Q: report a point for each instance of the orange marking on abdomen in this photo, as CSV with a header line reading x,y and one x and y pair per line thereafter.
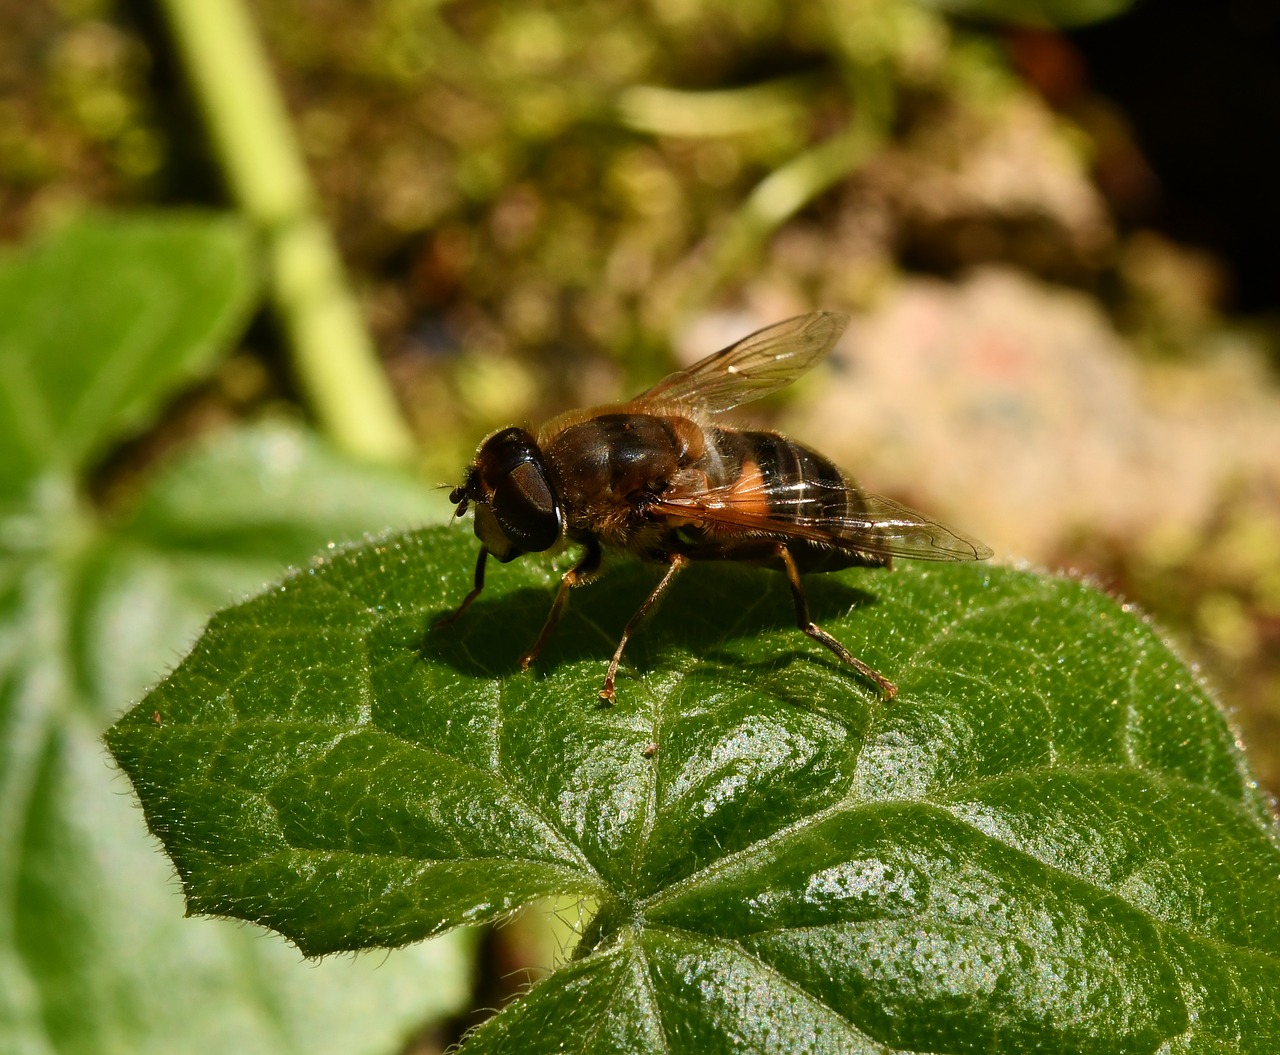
x,y
748,492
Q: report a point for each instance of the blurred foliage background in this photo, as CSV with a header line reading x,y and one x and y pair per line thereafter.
x,y
1056,231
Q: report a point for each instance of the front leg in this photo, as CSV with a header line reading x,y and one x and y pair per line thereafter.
x,y
581,572
675,565
475,590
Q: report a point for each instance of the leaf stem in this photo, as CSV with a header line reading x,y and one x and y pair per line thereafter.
x,y
611,916
333,355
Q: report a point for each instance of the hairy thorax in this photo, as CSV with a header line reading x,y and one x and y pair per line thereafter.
x,y
608,465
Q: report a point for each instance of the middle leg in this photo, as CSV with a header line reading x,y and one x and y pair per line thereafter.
x,y
581,572
675,565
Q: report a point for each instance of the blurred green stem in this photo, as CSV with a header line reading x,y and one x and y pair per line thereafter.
x,y
783,193
709,114
332,352
776,198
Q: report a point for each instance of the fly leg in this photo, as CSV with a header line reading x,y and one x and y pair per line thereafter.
x,y
475,590
676,563
575,576
888,688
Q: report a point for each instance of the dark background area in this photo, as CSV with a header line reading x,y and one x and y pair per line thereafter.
x,y
1200,86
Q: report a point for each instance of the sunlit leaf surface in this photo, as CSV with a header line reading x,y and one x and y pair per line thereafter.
x,y
1047,842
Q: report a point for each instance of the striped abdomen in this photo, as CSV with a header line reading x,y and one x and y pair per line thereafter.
x,y
781,481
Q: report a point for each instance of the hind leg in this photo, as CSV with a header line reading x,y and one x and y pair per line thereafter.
x,y
886,687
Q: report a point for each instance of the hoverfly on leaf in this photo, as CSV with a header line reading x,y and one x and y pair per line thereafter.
x,y
657,477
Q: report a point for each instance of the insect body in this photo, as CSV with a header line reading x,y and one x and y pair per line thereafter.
x,y
658,478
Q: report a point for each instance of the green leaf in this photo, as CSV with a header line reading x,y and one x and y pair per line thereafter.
x,y
1049,841
95,956
220,523
101,322
273,493
97,328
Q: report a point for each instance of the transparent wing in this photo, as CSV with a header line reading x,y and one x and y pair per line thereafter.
x,y
842,516
766,361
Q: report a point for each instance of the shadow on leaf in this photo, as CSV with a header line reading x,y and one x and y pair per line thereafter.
x,y
710,610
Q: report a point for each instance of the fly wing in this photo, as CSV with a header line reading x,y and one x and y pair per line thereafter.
x,y
839,515
766,361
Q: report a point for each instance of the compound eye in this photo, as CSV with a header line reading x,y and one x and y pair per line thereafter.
x,y
518,490
525,507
